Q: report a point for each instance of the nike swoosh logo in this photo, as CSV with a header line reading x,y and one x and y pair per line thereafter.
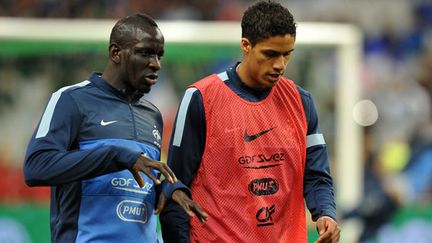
x,y
104,123
250,138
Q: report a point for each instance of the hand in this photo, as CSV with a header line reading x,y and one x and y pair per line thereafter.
x,y
189,206
161,203
328,230
145,165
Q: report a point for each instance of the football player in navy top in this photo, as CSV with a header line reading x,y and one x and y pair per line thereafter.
x,y
97,146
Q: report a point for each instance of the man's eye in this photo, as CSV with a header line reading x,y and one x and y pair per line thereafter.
x,y
271,54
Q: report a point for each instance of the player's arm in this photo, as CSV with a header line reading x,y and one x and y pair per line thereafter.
x,y
180,194
53,157
318,183
184,158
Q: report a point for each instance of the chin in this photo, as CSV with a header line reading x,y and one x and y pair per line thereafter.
x,y
271,84
144,89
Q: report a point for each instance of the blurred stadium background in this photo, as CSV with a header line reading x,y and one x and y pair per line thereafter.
x,y
367,63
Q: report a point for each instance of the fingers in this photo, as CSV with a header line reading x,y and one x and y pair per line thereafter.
x,y
336,234
151,176
201,214
145,164
321,227
161,203
190,207
325,237
137,177
328,229
188,211
166,171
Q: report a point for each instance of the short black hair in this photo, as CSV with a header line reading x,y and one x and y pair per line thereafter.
x,y
266,19
123,32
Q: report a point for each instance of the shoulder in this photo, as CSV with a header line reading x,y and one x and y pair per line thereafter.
x,y
69,94
147,104
306,98
73,89
304,94
191,98
210,80
151,111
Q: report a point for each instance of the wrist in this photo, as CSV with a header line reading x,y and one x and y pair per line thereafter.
x,y
168,189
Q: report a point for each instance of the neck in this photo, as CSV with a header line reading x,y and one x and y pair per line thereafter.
x,y
244,78
113,79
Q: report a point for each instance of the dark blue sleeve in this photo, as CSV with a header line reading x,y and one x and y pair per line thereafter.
x,y
184,158
318,183
168,188
53,157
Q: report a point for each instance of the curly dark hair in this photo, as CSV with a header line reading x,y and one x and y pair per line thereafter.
x,y
123,32
265,19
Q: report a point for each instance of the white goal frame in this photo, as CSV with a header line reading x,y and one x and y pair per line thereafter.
x,y
345,38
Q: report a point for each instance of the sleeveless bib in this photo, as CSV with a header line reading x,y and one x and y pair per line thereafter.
x,y
250,180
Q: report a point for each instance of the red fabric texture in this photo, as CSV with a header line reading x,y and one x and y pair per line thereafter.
x,y
250,181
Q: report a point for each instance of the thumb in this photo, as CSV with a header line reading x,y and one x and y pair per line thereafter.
x,y
161,203
137,178
321,227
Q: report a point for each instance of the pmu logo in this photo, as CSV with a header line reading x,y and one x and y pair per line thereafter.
x,y
264,216
132,211
261,161
263,186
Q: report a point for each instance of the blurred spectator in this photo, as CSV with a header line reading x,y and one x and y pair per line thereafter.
x,y
377,205
418,172
390,181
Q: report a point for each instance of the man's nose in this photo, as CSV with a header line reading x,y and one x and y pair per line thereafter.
x,y
280,63
154,62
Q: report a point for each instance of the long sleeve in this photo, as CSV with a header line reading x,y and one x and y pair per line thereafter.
x,y
184,158
53,157
318,183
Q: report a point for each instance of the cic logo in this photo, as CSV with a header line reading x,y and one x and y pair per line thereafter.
x,y
264,216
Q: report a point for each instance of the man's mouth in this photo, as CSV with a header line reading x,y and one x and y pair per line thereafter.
x,y
274,77
151,78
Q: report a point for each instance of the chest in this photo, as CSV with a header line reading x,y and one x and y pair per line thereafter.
x,y
120,120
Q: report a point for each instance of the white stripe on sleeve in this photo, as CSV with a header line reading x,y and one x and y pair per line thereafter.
x,y
314,139
181,117
49,111
223,76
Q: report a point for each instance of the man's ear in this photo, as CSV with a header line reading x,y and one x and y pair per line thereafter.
x,y
114,52
245,45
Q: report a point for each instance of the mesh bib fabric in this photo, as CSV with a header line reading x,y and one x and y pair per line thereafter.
x,y
250,181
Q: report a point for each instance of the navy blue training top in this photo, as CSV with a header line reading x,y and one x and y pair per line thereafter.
x,y
87,139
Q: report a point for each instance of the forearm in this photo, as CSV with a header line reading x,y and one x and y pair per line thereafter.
x,y
320,200
318,184
175,223
184,159
49,168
